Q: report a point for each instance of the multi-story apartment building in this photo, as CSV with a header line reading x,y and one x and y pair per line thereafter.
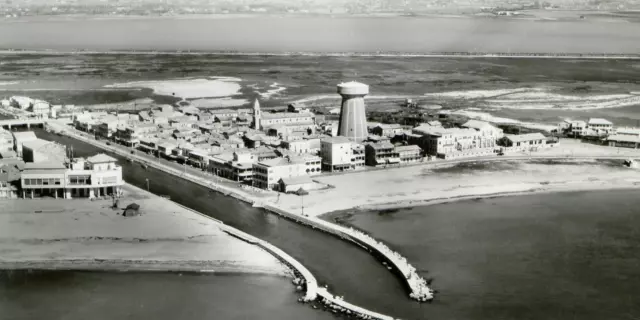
x,y
95,176
340,154
599,126
130,134
456,143
268,173
107,128
409,154
237,166
382,153
488,135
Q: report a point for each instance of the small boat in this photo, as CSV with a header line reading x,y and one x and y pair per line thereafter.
x,y
129,159
166,197
144,165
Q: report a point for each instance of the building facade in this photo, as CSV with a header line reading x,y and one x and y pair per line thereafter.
x,y
383,153
268,173
95,176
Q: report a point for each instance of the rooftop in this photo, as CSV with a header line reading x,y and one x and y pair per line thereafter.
x,y
24,136
624,138
284,115
44,166
381,145
278,162
526,137
101,158
337,139
408,148
297,180
352,84
600,121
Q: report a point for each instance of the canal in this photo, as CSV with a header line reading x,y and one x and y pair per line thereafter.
x,y
348,270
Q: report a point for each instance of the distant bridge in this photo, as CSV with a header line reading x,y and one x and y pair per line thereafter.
x,y
11,123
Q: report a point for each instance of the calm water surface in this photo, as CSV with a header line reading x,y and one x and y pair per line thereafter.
x,y
96,295
322,34
555,256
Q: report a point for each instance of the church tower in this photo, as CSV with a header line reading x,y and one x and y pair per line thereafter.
x,y
256,114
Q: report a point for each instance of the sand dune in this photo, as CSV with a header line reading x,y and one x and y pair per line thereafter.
x,y
540,98
188,88
490,118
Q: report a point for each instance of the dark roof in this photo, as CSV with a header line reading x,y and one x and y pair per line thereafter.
x,y
9,173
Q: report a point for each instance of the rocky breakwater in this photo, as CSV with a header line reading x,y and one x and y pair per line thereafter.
x,y
418,287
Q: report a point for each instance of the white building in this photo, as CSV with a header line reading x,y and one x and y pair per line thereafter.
x,y
39,150
340,154
21,137
456,143
525,142
85,178
577,128
600,126
488,134
268,173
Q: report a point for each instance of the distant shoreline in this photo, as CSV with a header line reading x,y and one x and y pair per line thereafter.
x,y
521,55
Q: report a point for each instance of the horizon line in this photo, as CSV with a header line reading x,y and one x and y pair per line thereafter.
x,y
333,54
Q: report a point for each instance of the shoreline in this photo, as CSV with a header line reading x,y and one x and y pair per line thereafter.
x,y
410,275
399,205
130,265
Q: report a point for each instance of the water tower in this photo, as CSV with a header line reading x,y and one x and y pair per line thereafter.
x,y
353,119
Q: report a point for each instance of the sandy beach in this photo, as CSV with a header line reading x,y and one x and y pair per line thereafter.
x,y
444,181
84,234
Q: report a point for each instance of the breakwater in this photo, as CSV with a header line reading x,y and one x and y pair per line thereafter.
x,y
418,288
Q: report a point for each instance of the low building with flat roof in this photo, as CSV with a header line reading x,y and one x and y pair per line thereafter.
x,y
623,141
525,142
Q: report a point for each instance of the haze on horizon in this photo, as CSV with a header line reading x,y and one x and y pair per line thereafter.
x,y
17,8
